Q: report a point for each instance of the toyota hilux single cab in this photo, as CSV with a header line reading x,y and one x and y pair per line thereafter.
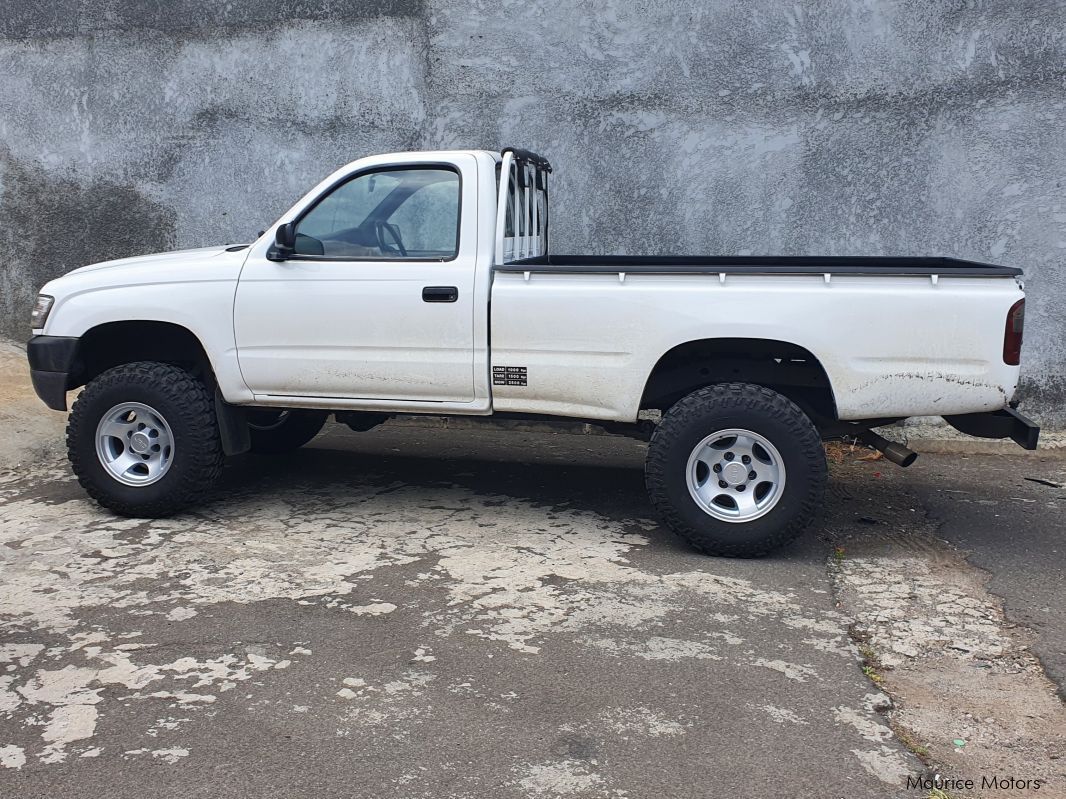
x,y
422,283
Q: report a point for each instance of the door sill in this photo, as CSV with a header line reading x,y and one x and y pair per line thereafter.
x,y
476,407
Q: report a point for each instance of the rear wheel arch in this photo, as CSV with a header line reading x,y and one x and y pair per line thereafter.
x,y
787,368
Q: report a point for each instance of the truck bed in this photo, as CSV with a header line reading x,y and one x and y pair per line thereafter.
x,y
760,265
896,337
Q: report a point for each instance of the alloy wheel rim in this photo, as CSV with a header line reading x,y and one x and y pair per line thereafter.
x,y
735,475
134,444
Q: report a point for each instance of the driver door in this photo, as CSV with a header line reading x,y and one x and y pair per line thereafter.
x,y
377,301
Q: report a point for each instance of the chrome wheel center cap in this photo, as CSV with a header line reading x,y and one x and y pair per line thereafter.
x,y
140,443
735,473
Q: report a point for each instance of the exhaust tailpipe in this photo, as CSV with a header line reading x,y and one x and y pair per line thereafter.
x,y
897,453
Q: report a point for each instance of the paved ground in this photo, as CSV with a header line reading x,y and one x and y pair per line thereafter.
x,y
1007,515
417,612
934,627
426,613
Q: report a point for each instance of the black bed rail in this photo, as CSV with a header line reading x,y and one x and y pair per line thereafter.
x,y
758,265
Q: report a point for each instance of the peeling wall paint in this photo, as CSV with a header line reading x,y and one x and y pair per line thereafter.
x,y
914,127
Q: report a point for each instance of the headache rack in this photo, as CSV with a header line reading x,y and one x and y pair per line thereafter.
x,y
522,206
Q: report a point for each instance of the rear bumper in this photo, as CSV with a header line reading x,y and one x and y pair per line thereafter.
x,y
53,361
1005,423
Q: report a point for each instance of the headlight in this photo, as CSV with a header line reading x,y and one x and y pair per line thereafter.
x,y
40,311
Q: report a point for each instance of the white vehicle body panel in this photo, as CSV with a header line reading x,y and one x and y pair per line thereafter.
x,y
356,335
476,240
349,329
891,346
190,288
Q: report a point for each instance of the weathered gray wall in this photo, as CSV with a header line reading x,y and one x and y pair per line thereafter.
x,y
744,126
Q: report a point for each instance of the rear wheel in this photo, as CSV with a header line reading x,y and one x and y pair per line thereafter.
x,y
736,469
277,430
143,440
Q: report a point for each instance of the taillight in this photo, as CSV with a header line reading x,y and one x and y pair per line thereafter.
x,y
1012,335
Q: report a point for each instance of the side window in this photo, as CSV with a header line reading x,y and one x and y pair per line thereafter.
x,y
428,220
392,214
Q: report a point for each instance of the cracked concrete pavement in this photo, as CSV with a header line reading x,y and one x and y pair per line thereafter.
x,y
416,612
947,639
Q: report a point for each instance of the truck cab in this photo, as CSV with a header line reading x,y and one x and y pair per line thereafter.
x,y
377,294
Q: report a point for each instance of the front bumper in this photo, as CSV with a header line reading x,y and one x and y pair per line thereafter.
x,y
53,365
1005,423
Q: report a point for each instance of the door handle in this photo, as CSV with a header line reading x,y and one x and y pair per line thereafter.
x,y
440,294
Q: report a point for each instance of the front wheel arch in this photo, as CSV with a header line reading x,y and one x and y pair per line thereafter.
x,y
111,344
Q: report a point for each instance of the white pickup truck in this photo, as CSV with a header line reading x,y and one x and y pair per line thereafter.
x,y
421,283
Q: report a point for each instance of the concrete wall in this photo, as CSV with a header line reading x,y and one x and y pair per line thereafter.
x,y
744,126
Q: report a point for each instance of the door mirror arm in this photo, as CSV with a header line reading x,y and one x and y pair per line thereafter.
x,y
284,243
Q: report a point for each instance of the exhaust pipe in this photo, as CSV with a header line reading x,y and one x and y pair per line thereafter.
x,y
897,453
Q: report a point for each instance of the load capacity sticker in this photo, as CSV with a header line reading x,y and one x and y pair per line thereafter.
x,y
509,376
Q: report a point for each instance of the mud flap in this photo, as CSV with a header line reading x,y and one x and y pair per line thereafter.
x,y
232,426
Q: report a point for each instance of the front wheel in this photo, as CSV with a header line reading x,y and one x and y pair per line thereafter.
x,y
143,440
736,470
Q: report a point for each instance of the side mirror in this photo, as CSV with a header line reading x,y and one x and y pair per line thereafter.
x,y
284,242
